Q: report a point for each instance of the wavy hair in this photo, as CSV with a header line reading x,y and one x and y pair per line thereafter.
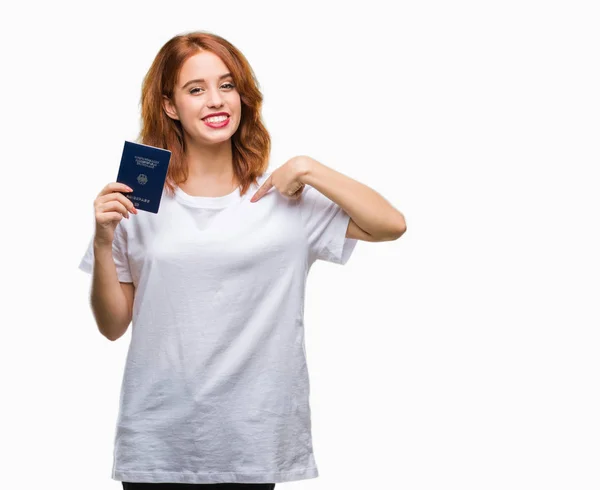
x,y
250,144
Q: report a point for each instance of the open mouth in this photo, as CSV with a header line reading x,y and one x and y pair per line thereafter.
x,y
217,122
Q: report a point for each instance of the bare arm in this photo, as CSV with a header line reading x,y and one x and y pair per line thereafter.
x,y
369,210
111,300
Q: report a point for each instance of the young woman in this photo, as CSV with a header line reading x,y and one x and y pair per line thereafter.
x,y
215,391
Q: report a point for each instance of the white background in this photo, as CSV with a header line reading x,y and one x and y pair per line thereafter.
x,y
462,356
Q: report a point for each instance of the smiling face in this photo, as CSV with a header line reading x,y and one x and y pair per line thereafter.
x,y
203,88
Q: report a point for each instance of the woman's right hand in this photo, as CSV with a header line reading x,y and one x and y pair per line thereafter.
x,y
109,207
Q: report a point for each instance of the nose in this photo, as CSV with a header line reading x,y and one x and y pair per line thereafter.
x,y
215,99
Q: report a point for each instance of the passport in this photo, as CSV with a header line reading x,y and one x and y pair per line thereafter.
x,y
144,169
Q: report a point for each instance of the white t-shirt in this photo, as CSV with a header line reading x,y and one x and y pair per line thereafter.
x,y
216,387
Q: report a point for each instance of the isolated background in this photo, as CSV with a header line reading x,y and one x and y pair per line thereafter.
x,y
462,356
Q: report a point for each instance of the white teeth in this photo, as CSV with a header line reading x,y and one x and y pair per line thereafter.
x,y
216,119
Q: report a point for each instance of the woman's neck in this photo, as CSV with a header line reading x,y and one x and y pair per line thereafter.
x,y
210,171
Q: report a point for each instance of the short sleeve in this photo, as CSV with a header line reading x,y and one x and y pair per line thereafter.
x,y
119,249
325,225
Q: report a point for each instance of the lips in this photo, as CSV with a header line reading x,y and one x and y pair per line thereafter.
x,y
220,124
215,115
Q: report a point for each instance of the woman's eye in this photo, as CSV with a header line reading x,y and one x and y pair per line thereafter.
x,y
228,85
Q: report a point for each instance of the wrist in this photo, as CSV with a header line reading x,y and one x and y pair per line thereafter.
x,y
306,168
100,245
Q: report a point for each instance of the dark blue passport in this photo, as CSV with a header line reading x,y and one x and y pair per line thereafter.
x,y
144,169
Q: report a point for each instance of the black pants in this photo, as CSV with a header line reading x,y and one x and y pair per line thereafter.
x,y
197,486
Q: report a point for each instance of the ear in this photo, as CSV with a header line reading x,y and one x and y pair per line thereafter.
x,y
169,108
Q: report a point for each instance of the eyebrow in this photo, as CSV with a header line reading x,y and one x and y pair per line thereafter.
x,y
200,80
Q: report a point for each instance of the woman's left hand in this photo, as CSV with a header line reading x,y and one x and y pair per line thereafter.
x,y
287,179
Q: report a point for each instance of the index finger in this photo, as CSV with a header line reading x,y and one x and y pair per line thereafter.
x,y
115,187
262,190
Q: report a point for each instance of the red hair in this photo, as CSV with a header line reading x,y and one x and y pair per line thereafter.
x,y
250,144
